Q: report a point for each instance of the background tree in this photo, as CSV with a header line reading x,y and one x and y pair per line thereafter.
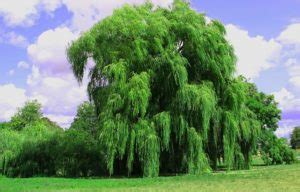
x,y
164,91
295,138
272,149
30,113
86,119
276,151
265,107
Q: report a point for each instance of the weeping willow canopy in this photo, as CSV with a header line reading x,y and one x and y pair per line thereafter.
x,y
164,90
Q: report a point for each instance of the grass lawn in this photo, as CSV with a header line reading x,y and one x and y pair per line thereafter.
x,y
260,178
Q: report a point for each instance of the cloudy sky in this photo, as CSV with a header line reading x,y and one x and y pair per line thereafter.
x,y
34,35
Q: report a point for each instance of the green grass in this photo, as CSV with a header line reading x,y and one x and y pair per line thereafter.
x,y
260,178
257,160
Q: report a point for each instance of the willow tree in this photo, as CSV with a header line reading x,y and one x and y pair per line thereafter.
x,y
164,90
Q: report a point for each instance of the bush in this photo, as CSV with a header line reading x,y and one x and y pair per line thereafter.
x,y
45,151
10,143
277,151
80,155
37,154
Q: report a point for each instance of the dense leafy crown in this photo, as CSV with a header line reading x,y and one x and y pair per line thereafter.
x,y
164,90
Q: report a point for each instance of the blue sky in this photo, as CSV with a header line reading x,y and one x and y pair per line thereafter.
x,y
35,33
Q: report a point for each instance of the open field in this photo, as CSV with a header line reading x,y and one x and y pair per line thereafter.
x,y
260,178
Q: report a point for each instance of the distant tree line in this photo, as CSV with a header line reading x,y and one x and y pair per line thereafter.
x,y
163,100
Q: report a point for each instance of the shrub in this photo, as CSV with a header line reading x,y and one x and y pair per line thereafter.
x,y
277,151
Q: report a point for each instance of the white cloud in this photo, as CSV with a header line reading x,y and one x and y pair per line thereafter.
x,y
11,98
88,12
286,127
62,120
290,100
295,81
294,70
50,5
286,99
255,54
48,52
283,95
17,40
13,38
23,65
24,13
35,74
290,62
85,13
60,95
51,81
290,35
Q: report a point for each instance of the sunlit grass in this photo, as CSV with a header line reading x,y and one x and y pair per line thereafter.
x,y
260,178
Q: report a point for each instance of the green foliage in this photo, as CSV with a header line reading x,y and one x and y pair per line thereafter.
x,y
163,126
10,143
164,91
30,113
138,95
197,160
265,107
42,148
4,125
148,147
197,103
295,138
86,119
273,149
13,134
34,154
229,137
80,155
277,151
